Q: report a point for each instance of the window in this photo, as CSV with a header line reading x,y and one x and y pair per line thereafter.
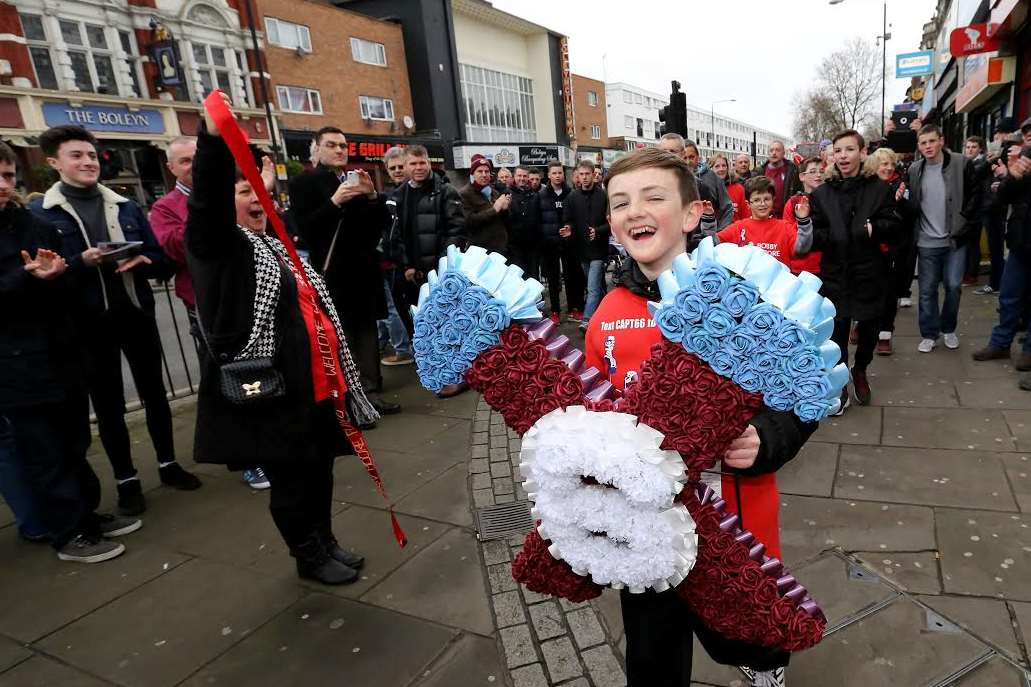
x,y
596,132
376,108
638,98
628,121
132,58
499,106
657,127
287,34
628,97
368,52
592,99
88,52
39,51
298,99
213,66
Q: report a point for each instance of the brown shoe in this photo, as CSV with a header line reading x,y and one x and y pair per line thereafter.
x,y
992,353
884,347
1023,362
861,387
453,390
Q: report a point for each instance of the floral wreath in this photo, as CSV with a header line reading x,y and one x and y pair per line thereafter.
x,y
615,479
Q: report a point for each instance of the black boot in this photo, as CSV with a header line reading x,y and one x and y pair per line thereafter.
x,y
130,498
348,558
315,563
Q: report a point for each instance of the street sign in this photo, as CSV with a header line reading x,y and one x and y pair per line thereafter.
x,y
914,64
971,40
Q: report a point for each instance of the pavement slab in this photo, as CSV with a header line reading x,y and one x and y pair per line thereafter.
x,y
859,425
471,661
958,428
1022,613
995,673
415,433
841,595
965,479
324,640
1004,395
987,619
913,572
810,525
198,610
706,671
1019,422
445,498
812,471
985,553
44,672
459,596
909,392
12,653
1018,469
402,474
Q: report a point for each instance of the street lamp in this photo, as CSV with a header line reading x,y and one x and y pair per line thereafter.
x,y
883,40
713,112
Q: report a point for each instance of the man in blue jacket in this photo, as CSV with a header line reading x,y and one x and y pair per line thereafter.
x,y
115,306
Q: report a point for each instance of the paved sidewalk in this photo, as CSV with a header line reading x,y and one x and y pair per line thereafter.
x,y
907,519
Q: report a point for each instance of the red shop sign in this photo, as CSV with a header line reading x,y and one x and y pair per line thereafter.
x,y
971,40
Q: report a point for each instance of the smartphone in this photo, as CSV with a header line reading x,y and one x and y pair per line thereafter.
x,y
352,179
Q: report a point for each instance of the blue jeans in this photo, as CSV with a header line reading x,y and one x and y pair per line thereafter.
x,y
1012,288
393,327
595,271
938,266
14,487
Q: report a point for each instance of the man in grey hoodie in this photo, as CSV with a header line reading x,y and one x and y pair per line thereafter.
x,y
939,184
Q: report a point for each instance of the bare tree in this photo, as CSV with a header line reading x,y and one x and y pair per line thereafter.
x,y
851,78
815,117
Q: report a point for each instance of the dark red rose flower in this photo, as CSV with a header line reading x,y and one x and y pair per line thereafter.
x,y
530,357
539,572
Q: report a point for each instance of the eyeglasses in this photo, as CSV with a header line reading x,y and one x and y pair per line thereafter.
x,y
761,201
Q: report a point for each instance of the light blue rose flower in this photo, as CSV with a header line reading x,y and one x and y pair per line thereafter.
x,y
464,322
450,335
812,410
692,307
718,321
765,363
452,285
748,379
711,282
724,363
783,402
432,316
493,316
762,321
671,323
790,338
473,300
741,342
700,343
779,384
812,387
805,362
741,296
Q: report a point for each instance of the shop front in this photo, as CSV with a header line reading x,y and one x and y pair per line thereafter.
x,y
986,91
512,154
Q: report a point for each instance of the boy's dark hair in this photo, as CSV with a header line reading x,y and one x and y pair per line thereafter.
x,y
326,130
930,129
537,171
850,132
7,154
759,185
815,160
585,164
554,163
657,158
978,140
50,140
525,168
416,151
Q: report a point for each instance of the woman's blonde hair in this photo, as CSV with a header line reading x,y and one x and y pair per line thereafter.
x,y
874,160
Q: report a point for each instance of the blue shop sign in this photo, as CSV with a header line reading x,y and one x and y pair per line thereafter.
x,y
914,64
104,118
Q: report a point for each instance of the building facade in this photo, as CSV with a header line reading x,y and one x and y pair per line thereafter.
x,y
717,134
134,72
590,112
632,114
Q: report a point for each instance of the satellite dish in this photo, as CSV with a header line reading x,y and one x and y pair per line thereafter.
x,y
408,121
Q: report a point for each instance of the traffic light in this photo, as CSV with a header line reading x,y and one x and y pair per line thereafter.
x,y
674,115
110,163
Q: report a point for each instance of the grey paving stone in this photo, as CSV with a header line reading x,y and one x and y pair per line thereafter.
x,y
859,425
810,525
931,477
479,451
43,672
958,428
811,473
530,676
841,597
1019,422
994,396
423,433
471,661
504,498
499,455
481,425
12,653
159,623
480,438
909,392
604,667
479,465
518,645
508,609
975,547
503,485
481,481
483,498
497,442
445,498
500,577
913,572
994,673
450,567
322,637
578,682
610,612
496,551
500,469
1022,612
585,627
532,597
1018,469
561,659
546,619
568,605
987,619
879,650
705,671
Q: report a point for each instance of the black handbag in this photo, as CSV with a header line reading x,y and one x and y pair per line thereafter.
x,y
246,382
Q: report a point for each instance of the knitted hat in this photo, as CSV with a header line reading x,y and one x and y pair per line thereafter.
x,y
479,160
1006,125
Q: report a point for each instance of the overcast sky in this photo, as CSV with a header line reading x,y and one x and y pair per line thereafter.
x,y
758,51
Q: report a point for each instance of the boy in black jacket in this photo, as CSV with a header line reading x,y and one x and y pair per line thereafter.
x,y
587,227
557,258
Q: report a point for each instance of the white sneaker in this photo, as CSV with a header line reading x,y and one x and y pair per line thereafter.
x,y
905,302
926,345
951,341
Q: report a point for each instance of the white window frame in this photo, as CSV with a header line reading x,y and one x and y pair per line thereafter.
x,y
628,122
592,98
365,107
91,53
284,97
378,48
134,61
44,44
595,132
499,105
276,28
628,97
212,70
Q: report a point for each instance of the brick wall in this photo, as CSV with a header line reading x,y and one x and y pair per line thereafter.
x,y
331,70
587,116
16,53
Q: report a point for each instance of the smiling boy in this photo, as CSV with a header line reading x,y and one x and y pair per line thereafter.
x,y
653,207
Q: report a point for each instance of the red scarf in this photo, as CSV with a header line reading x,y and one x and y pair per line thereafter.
x,y
326,375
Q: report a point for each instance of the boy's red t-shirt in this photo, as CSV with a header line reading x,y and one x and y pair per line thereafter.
x,y
810,262
737,196
619,338
775,236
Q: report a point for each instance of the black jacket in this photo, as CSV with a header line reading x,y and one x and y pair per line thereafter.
x,y
484,226
524,219
1017,194
221,261
714,190
781,433
792,183
40,359
353,274
427,224
853,268
584,209
551,213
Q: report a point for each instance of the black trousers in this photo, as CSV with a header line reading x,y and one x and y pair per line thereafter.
x,y
659,642
406,294
557,264
301,498
50,442
527,258
868,330
901,262
133,332
363,341
576,278
973,243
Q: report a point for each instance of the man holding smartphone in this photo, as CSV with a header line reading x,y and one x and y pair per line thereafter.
x,y
341,218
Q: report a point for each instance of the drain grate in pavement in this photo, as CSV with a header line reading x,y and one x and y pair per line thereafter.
x,y
503,520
